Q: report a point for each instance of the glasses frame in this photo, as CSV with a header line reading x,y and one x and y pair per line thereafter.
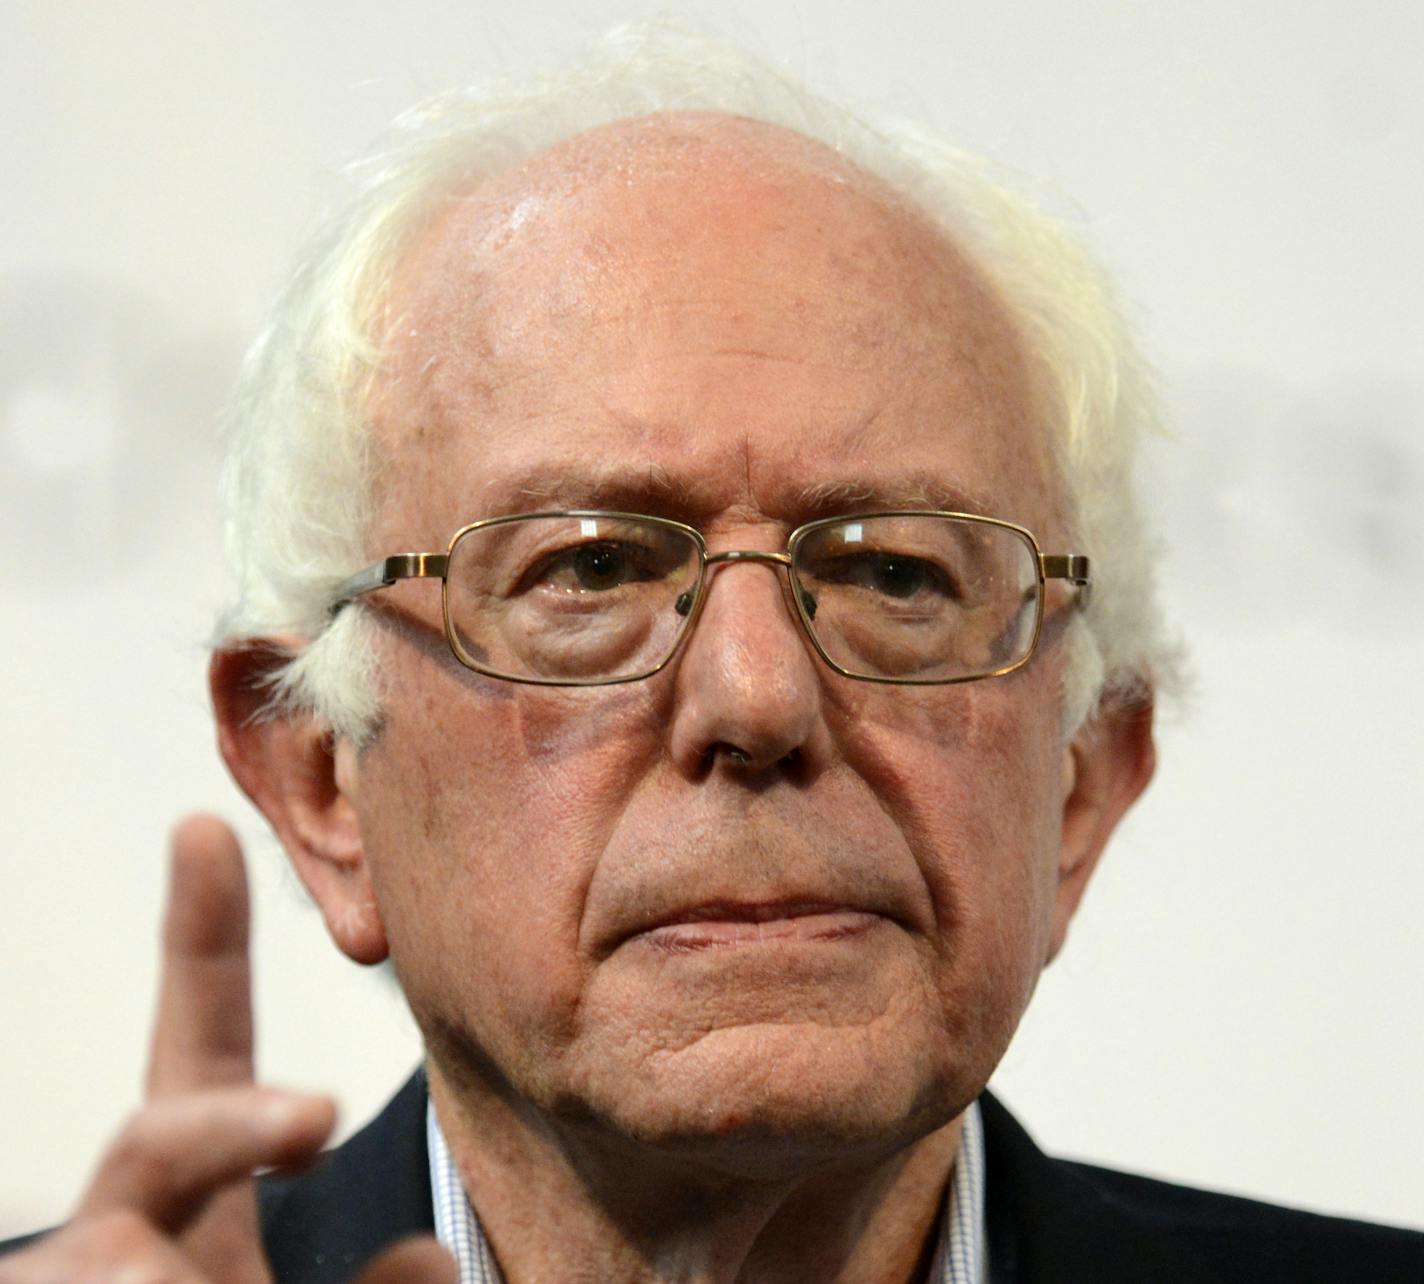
x,y
1073,567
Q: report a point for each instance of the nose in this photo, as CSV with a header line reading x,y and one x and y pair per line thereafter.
x,y
748,689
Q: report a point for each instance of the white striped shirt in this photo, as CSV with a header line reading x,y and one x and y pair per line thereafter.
x,y
961,1256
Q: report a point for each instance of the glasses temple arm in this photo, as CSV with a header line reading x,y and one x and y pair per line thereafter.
x,y
1068,566
382,574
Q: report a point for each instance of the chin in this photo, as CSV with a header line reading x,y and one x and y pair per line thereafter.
x,y
765,1101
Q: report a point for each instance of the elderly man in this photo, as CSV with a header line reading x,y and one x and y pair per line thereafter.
x,y
720,735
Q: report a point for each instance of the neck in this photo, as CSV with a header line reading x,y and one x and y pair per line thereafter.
x,y
567,1201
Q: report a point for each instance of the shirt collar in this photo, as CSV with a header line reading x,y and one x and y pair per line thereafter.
x,y
960,1258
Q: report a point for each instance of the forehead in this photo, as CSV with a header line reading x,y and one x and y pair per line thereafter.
x,y
718,312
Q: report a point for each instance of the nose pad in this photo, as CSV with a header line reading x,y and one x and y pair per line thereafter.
x,y
779,563
718,565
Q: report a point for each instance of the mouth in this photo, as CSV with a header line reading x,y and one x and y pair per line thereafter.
x,y
728,926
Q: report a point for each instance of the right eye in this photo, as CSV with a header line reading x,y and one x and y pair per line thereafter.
x,y
604,564
600,567
597,567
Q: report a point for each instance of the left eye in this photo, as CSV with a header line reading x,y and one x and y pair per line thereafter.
x,y
897,576
891,575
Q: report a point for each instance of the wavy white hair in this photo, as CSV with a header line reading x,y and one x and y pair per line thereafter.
x,y
297,482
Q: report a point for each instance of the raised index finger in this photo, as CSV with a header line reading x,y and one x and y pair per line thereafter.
x,y
202,1034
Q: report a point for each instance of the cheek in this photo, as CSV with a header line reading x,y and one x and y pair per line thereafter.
x,y
484,813
972,780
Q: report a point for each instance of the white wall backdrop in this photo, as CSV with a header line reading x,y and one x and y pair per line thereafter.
x,y
1239,1005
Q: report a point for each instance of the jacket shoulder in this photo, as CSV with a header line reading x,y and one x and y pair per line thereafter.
x,y
1054,1221
1248,1239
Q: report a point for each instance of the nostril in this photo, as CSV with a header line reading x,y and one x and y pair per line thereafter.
x,y
739,757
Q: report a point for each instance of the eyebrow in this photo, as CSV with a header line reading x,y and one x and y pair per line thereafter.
x,y
649,488
652,489
914,490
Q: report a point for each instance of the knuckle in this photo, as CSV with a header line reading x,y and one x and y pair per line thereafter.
x,y
140,1147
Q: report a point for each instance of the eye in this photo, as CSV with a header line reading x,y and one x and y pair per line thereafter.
x,y
603,566
891,575
600,566
897,576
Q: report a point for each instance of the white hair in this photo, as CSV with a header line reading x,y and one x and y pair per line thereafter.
x,y
298,478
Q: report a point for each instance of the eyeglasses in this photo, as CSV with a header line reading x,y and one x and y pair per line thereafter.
x,y
584,598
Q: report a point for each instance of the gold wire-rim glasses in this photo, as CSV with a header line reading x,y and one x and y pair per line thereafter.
x,y
1073,567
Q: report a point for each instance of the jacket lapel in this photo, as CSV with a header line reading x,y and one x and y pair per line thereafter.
x,y
1048,1224
322,1225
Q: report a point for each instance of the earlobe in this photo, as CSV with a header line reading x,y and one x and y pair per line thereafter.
x,y
1106,767
305,785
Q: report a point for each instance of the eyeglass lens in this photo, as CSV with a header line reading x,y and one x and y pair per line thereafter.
x,y
572,599
918,598
595,598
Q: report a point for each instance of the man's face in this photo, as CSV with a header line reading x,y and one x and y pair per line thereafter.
x,y
587,898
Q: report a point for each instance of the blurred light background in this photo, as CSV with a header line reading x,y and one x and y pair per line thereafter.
x,y
1238,1006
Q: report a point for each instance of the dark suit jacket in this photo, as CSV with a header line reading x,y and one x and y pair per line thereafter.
x,y
1050,1222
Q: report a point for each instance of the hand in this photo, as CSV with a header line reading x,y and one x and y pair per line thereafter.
x,y
173,1197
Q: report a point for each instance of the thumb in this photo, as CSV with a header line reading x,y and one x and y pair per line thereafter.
x,y
420,1260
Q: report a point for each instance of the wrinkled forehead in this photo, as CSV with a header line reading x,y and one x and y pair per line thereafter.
x,y
683,233
684,201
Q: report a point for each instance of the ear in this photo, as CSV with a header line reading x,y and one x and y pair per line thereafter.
x,y
287,763
1105,767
